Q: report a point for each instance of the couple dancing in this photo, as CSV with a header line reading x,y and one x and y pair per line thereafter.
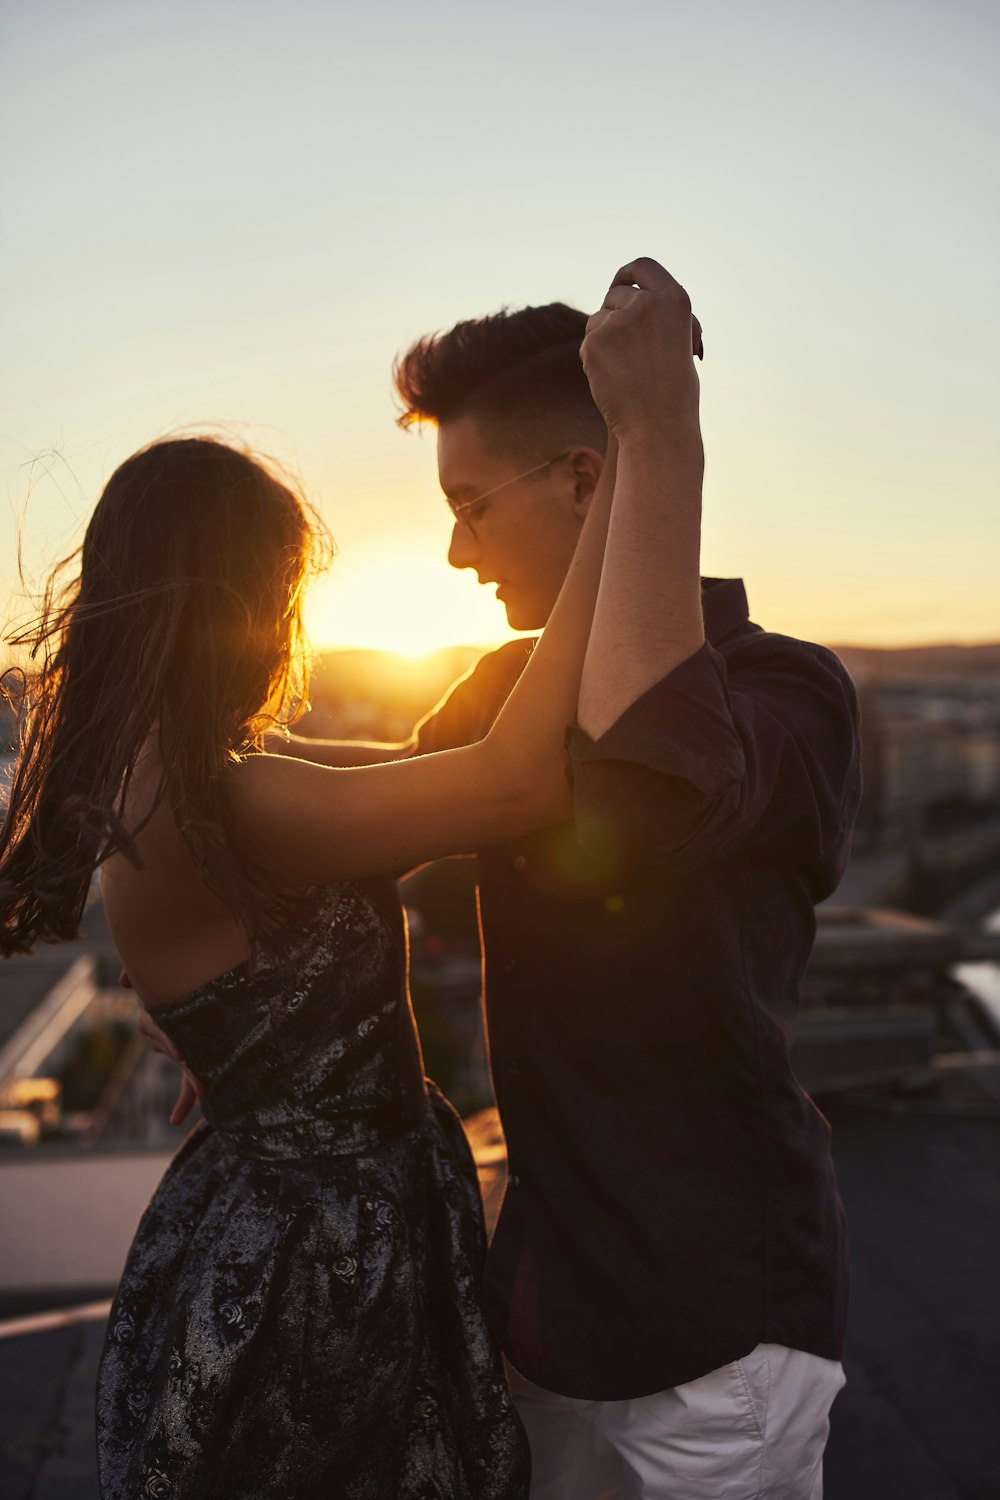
x,y
305,1310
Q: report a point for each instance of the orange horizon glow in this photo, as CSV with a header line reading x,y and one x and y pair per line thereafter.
x,y
412,606
408,605
472,643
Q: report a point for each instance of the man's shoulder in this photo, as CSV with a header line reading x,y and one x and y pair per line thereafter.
x,y
467,710
790,677
787,665
492,676
756,646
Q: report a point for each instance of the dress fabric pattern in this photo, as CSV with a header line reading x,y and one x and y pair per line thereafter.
x,y
300,1313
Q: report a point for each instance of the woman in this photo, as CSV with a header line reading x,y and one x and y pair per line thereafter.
x,y
298,1315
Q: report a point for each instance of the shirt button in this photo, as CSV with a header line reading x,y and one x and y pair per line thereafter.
x,y
519,862
513,1070
513,1180
510,965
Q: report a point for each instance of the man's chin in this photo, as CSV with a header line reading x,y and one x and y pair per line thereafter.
x,y
521,616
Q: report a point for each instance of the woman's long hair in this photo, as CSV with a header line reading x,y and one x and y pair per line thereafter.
x,y
182,627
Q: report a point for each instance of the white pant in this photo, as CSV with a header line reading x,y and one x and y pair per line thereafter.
x,y
752,1430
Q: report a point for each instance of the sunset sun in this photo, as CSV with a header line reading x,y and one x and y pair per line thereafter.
x,y
406,605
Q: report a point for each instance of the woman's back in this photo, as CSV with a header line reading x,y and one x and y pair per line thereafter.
x,y
172,932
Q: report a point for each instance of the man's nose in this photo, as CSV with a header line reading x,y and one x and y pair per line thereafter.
x,y
462,550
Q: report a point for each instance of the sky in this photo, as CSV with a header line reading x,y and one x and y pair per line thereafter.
x,y
232,215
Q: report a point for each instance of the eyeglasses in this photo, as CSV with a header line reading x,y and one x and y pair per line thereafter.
x,y
462,509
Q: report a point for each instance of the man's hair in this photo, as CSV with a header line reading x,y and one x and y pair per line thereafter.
x,y
518,374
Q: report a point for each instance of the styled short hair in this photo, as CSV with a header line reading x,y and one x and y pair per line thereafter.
x,y
518,374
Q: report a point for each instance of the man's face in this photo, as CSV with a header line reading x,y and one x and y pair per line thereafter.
x,y
523,536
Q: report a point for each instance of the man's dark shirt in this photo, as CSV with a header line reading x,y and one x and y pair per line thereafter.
x,y
671,1200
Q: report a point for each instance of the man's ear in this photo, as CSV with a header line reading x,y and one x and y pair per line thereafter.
x,y
586,465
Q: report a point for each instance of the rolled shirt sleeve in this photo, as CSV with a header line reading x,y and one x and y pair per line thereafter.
x,y
751,750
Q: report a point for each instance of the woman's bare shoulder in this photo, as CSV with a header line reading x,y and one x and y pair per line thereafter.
x,y
258,781
271,803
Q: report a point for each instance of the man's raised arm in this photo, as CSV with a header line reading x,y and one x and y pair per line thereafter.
x,y
686,753
639,357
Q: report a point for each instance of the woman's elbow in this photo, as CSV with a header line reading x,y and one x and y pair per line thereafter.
x,y
536,793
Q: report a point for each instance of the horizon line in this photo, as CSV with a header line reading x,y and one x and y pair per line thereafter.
x,y
841,645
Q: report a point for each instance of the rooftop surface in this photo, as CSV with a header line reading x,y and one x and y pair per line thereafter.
x,y
918,1419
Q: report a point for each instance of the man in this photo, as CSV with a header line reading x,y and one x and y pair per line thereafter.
x,y
668,1273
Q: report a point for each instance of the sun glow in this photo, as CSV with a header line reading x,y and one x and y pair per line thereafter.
x,y
410,605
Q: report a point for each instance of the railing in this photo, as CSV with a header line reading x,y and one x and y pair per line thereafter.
x,y
87,1312
49,1022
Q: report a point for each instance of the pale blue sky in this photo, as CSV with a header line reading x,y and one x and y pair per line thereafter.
x,y
238,212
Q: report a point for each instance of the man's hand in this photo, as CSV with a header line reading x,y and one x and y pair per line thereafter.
x,y
190,1089
638,351
188,1095
157,1039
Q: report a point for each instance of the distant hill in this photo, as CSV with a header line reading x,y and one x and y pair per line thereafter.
x,y
920,663
378,694
406,688
405,680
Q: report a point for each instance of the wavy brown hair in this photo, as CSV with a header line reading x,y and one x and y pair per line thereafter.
x,y
181,621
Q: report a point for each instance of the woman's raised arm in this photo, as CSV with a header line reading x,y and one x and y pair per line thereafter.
x,y
309,823
312,823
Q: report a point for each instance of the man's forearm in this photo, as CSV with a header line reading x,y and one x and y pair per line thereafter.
x,y
648,616
639,357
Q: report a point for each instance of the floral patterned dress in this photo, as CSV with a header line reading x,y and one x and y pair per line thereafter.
x,y
299,1315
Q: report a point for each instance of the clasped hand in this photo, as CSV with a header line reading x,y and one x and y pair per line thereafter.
x,y
637,353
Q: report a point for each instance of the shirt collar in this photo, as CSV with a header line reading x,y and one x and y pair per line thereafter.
x,y
724,605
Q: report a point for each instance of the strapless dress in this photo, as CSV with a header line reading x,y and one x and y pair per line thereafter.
x,y
299,1315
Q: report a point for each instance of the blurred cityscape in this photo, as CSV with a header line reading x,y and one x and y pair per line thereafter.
x,y
901,1020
